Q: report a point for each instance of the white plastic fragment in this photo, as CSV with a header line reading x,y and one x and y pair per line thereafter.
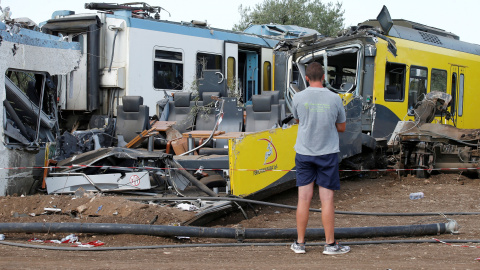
x,y
187,207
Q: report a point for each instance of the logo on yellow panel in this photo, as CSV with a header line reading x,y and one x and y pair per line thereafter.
x,y
271,152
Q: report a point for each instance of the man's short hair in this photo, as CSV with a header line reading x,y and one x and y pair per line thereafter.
x,y
315,71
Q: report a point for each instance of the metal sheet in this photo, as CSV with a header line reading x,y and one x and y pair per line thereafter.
x,y
106,182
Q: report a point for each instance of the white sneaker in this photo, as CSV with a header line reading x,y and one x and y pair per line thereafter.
x,y
335,249
298,247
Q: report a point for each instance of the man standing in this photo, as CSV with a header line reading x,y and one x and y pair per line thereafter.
x,y
320,115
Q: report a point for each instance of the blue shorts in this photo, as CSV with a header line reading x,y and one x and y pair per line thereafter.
x,y
323,170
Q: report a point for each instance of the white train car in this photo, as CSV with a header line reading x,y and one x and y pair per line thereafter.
x,y
127,52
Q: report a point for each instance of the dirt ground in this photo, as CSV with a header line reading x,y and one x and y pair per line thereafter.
x,y
369,193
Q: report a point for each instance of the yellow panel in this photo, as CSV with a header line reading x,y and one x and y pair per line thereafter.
x,y
260,159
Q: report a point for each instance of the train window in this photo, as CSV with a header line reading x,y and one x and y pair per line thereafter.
x,y
454,93
267,75
208,61
439,80
460,94
417,86
231,72
394,82
168,70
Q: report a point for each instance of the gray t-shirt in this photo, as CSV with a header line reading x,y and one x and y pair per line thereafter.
x,y
318,109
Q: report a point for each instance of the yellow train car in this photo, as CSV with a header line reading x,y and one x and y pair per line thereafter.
x,y
391,65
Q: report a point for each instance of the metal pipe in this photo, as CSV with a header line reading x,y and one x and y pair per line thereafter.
x,y
190,178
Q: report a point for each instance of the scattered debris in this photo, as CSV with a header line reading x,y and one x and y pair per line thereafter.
x,y
52,210
187,207
70,239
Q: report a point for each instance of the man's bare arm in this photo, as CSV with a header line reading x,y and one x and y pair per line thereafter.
x,y
341,126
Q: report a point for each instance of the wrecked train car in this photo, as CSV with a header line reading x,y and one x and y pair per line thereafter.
x,y
422,147
33,67
388,66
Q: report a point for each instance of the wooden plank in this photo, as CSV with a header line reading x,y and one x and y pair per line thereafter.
x,y
163,125
231,135
201,133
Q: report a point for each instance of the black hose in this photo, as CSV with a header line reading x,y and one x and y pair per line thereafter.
x,y
249,233
216,245
311,209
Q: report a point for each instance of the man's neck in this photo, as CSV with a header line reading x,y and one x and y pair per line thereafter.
x,y
318,84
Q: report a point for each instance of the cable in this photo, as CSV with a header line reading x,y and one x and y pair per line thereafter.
x,y
311,209
215,245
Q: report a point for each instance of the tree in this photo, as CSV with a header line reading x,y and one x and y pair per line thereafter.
x,y
325,18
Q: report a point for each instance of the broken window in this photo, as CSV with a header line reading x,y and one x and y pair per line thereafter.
x,y
342,69
207,61
394,82
417,86
29,107
168,70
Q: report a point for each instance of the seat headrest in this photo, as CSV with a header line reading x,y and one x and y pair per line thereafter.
x,y
207,97
274,94
132,103
261,103
182,99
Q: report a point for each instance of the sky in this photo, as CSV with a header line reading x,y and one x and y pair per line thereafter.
x,y
459,17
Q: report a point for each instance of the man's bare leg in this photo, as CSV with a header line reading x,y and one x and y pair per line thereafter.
x,y
305,194
328,214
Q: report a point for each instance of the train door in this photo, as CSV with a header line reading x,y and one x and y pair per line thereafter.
x,y
250,76
457,74
231,65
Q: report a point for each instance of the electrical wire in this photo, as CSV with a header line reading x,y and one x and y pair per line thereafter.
x,y
248,244
311,209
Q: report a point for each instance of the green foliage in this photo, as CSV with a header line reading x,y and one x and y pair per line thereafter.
x,y
325,18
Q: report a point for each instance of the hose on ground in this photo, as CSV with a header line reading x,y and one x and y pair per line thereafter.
x,y
234,233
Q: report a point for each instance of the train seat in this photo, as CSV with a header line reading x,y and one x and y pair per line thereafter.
x,y
277,101
132,119
261,114
206,114
180,111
